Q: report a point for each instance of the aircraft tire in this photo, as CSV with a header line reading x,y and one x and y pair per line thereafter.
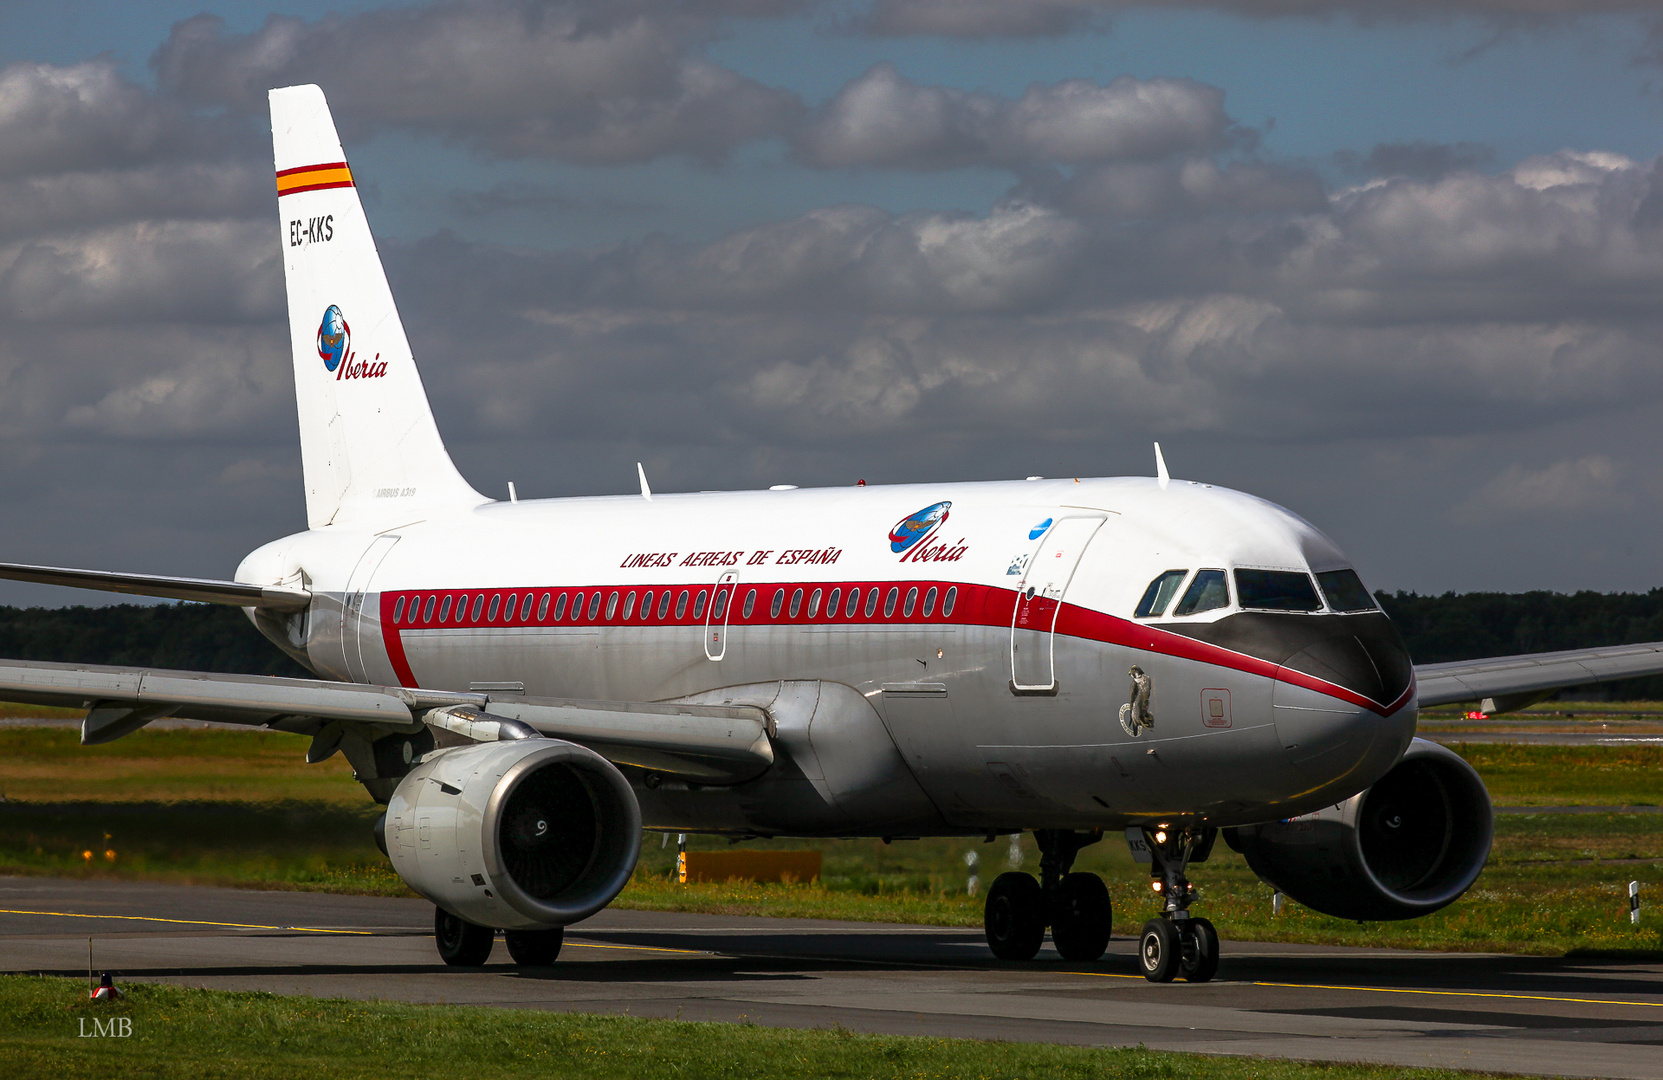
x,y
1199,951
1083,918
1015,916
1159,950
461,943
534,948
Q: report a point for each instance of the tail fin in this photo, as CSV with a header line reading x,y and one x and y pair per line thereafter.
x,y
369,448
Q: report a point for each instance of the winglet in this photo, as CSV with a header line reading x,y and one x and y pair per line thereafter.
x,y
1160,467
646,492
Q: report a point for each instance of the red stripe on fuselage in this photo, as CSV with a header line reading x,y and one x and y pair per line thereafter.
x,y
975,605
395,644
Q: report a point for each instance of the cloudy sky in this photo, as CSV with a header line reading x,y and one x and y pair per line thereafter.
x,y
1397,265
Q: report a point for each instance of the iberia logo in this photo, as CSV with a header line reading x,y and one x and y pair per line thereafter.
x,y
913,537
335,349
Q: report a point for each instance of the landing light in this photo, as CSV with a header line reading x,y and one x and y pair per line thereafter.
x,y
1155,885
1160,836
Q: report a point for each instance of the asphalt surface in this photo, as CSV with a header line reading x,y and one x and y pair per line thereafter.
x,y
1584,1017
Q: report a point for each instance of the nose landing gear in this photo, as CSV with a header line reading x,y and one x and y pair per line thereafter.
x,y
1075,906
1175,943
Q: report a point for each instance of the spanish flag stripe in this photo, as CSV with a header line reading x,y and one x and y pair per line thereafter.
x,y
314,177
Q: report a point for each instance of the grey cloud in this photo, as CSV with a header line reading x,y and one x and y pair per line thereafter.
x,y
512,196
1398,308
592,83
199,190
85,115
978,18
1051,18
205,272
1587,485
881,119
1186,187
1420,160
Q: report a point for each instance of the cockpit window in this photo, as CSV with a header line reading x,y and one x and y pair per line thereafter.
x,y
1276,590
1160,593
1344,591
1206,592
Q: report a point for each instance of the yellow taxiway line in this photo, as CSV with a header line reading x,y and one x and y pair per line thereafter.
x,y
1406,990
185,922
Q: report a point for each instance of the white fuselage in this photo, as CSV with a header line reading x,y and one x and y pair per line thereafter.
x,y
940,658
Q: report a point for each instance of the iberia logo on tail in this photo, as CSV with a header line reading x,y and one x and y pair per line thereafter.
x,y
335,349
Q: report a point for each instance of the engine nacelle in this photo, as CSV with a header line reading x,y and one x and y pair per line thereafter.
x,y
516,835
1405,847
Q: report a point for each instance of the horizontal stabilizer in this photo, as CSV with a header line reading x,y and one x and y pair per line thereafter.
x,y
200,590
1521,677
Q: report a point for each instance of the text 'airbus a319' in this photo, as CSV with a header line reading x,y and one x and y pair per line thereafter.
x,y
527,685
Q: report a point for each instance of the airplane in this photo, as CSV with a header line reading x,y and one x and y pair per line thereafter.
x,y
527,685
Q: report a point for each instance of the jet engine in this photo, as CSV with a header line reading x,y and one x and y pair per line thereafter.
x,y
1405,847
517,835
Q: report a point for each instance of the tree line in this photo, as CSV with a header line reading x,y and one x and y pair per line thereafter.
x,y
1451,626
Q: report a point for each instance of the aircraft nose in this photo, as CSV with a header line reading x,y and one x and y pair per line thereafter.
x,y
1363,654
1343,705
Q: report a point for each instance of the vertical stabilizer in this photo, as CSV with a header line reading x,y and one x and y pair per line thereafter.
x,y
370,450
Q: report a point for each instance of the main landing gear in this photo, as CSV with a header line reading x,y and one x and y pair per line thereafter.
x,y
1075,906
464,944
1175,943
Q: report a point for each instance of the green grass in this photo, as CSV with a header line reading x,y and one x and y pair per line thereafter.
x,y
219,807
181,1034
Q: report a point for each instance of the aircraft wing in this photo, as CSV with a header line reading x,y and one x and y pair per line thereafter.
x,y
711,744
1512,682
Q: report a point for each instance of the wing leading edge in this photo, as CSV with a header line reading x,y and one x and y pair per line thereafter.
x,y
1512,682
712,744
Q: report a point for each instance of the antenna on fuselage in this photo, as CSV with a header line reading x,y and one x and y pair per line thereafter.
x,y
646,492
1160,467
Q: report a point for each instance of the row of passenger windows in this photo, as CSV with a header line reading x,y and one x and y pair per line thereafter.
x,y
1261,590
583,605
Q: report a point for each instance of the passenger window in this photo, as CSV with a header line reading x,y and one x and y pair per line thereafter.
x,y
947,601
1276,590
698,605
796,603
444,610
750,604
525,608
929,601
889,602
1206,592
832,601
778,604
719,605
398,610
1344,591
427,609
629,605
478,604
664,604
509,605
611,606
595,604
912,600
543,608
814,603
560,608
577,606
1159,594
496,606
646,604
872,601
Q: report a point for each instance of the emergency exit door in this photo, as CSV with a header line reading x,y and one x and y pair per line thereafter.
x,y
1039,599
